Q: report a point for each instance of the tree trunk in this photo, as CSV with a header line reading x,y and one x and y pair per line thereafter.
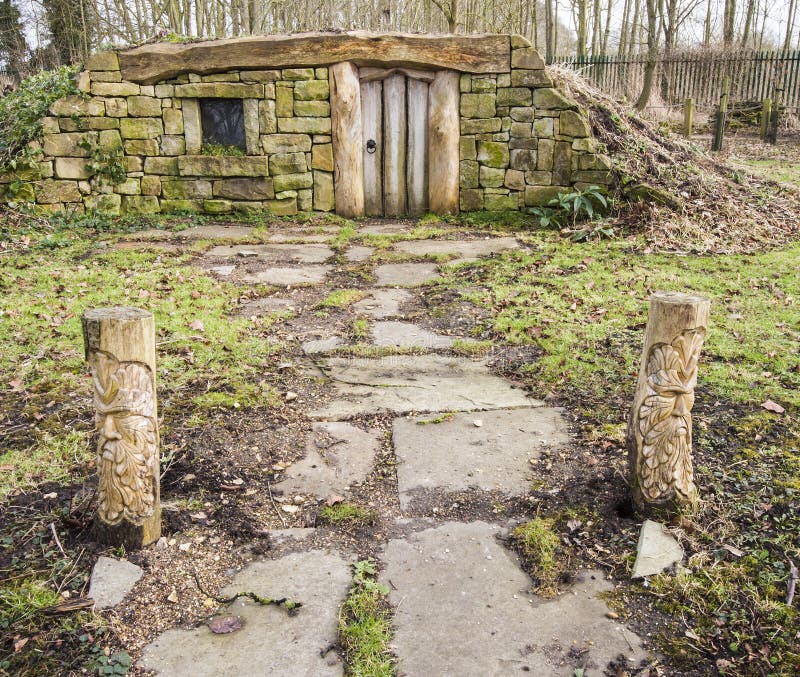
x,y
652,55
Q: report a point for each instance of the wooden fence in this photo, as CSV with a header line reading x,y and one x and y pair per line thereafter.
x,y
698,74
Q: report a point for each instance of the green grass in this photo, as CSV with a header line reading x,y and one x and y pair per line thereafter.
x,y
538,542
346,513
341,298
365,629
360,328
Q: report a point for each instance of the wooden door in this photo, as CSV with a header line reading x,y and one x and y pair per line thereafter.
x,y
394,107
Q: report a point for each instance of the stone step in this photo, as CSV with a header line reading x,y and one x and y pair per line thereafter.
x,y
464,250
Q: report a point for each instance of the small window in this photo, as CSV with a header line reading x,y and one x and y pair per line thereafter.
x,y
223,122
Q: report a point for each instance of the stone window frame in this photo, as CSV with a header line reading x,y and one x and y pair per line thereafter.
x,y
193,126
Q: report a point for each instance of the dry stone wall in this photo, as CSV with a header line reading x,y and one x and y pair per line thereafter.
x,y
522,142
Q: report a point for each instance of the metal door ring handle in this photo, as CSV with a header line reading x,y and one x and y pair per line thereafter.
x,y
371,146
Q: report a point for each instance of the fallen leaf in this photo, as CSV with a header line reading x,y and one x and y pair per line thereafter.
x,y
769,405
225,624
290,396
291,509
572,525
16,384
18,644
333,499
197,325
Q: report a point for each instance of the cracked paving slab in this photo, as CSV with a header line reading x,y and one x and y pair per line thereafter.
x,y
271,642
275,253
405,274
382,303
464,250
405,383
285,277
407,335
463,608
489,450
338,455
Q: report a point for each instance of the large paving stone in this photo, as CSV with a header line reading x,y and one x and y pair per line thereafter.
x,y
322,345
391,334
194,233
300,236
465,250
405,274
111,580
382,303
337,456
489,450
284,277
267,306
389,228
270,642
358,253
463,609
405,383
281,253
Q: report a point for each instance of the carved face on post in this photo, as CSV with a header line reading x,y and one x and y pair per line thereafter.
x,y
128,439
665,419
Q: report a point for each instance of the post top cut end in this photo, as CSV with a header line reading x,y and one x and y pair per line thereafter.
x,y
678,297
116,313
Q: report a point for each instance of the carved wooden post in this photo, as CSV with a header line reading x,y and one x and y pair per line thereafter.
x,y
120,347
660,424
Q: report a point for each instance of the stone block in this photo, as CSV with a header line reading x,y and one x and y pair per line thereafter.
x,y
83,124
587,145
504,79
297,74
515,179
562,162
513,96
284,102
252,125
596,176
530,78
181,206
192,128
173,121
523,159
545,154
141,128
83,82
293,181
539,196
69,144
133,163
467,149
312,90
493,154
321,73
172,145
286,143
129,186
207,165
108,204
219,90
521,130
116,107
115,89
151,185
465,83
217,206
305,200
483,84
491,177
220,77
525,144
244,189
323,191
543,128
179,189
479,106
537,177
104,76
78,105
518,41
547,97
312,108
304,125
247,207
106,60
322,157
480,126
499,202
285,207
164,91
109,140
522,114
140,204
260,76
72,168
267,119
144,106
141,147
164,166
52,191
527,58
51,126
287,163
468,174
572,123
470,200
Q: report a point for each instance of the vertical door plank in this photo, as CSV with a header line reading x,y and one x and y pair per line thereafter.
x,y
417,160
372,122
394,145
348,162
444,134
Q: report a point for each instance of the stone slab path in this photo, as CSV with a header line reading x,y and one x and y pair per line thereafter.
x,y
462,605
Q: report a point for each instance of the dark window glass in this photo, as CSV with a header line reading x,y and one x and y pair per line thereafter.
x,y
223,122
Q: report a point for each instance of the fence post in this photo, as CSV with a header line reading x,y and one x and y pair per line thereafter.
x,y
722,114
774,118
766,113
688,117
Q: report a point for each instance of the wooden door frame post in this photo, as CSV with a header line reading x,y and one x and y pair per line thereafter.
x,y
348,140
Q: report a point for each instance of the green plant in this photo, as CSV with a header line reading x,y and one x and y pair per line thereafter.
x,y
569,209
22,110
106,663
107,163
538,542
219,150
346,512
